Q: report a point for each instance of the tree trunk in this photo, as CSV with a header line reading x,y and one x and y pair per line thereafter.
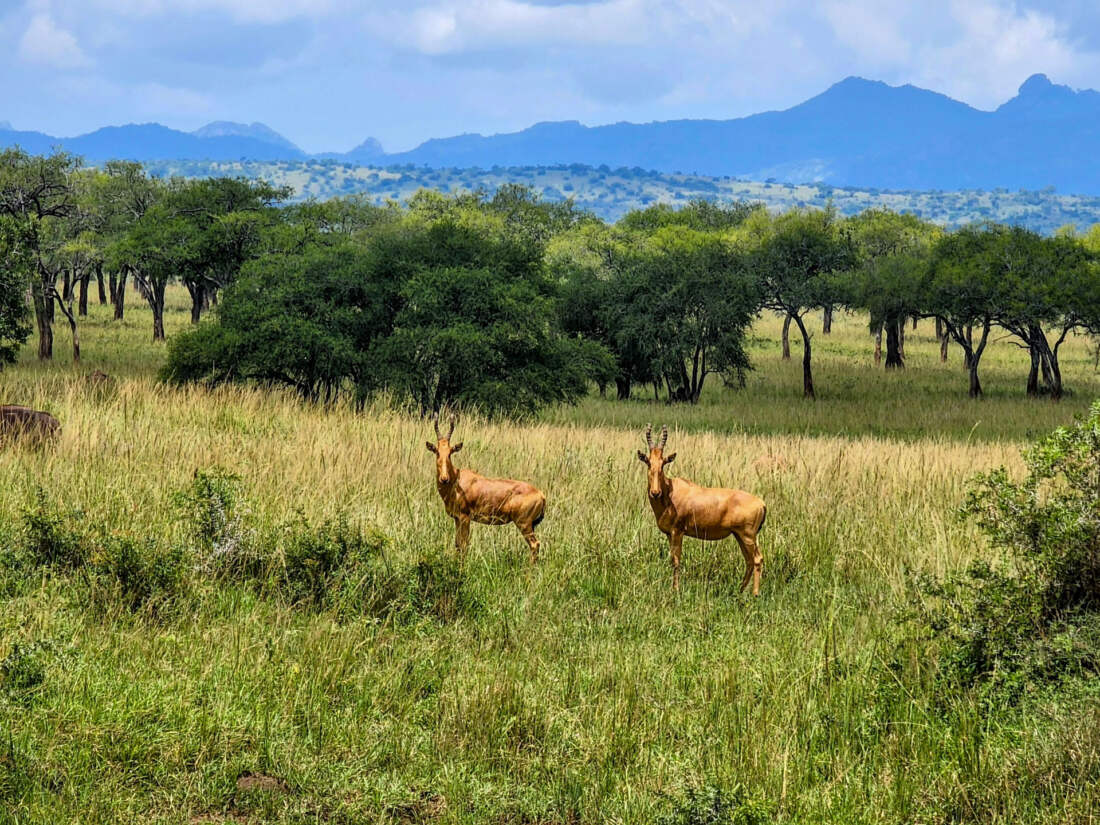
x,y
198,300
1033,372
787,338
120,295
70,316
99,280
43,316
112,285
895,358
66,285
944,340
156,303
622,388
827,322
939,329
901,339
807,372
83,309
878,345
975,384
914,323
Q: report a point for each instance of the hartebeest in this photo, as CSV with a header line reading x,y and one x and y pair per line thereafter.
x,y
16,421
708,513
468,496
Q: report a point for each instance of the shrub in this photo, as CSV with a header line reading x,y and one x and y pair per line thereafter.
x,y
50,538
23,670
1034,616
713,806
319,565
437,588
212,514
138,573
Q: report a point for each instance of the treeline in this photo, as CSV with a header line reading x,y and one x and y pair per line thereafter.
x,y
509,302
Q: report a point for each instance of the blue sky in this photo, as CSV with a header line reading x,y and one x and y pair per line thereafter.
x,y
329,73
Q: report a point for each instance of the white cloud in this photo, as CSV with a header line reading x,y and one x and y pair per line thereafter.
x,y
240,11
454,27
45,44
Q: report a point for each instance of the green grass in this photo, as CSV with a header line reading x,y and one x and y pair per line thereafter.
x,y
583,690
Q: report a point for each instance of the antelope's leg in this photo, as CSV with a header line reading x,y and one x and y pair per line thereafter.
x,y
676,548
462,536
754,562
532,540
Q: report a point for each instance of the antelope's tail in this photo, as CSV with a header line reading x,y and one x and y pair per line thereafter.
x,y
763,518
541,515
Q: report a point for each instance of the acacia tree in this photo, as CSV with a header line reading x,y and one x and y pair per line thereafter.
x,y
224,219
696,300
124,194
796,262
36,193
892,252
966,291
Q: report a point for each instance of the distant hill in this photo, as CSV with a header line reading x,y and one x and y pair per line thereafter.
x,y
857,133
610,193
258,131
151,141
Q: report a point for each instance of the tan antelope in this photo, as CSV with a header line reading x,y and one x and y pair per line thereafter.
x,y
16,421
468,496
708,513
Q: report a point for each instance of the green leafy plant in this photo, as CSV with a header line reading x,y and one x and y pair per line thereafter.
x,y
714,806
1034,616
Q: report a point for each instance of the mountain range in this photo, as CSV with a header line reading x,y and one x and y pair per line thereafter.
x,y
856,133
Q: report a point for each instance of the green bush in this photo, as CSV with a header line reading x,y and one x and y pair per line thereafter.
x,y
713,806
323,565
437,588
1034,616
23,670
139,573
51,537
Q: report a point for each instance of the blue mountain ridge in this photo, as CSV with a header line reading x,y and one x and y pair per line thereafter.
x,y
856,133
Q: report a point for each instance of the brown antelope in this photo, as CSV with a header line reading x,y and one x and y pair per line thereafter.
x,y
18,421
708,513
468,496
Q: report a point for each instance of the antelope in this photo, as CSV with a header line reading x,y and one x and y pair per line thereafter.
x,y
468,496
708,513
18,421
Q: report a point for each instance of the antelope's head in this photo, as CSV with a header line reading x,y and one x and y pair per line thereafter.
x,y
656,460
443,449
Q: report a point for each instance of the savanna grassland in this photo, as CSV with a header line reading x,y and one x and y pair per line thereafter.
x,y
611,193
582,690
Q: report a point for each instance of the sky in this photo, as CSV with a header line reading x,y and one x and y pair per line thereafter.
x,y
327,74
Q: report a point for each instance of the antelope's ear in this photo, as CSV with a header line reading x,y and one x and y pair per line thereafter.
x,y
642,457
456,447
431,447
670,458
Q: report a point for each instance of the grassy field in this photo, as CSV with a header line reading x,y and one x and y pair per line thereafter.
x,y
579,691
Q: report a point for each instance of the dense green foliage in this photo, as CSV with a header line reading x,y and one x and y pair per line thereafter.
x,y
15,275
1034,617
450,306
510,302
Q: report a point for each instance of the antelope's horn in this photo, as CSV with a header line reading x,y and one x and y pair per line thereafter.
x,y
649,436
664,436
435,423
451,431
